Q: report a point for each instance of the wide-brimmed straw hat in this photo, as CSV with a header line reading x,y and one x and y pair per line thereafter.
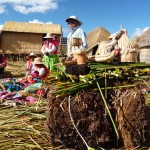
x,y
48,36
74,18
37,61
32,55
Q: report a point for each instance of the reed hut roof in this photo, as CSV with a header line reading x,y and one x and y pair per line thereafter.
x,y
144,39
96,36
11,26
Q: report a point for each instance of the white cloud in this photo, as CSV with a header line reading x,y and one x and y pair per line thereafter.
x,y
139,31
37,21
1,26
29,6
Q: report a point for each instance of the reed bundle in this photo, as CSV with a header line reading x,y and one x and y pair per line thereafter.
x,y
23,128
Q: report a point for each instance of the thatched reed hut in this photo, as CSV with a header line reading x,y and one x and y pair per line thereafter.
x,y
144,45
24,38
144,39
95,37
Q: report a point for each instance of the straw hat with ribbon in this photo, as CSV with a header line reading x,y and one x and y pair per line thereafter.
x,y
32,55
74,18
48,36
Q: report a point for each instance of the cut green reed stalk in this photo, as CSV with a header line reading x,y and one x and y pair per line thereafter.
x,y
107,108
40,96
72,89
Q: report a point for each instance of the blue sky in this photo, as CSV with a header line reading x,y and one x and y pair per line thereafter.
x,y
134,15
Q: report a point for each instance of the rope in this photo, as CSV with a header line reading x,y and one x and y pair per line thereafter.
x,y
89,148
75,125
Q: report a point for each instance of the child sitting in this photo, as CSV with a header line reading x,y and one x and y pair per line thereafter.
x,y
30,66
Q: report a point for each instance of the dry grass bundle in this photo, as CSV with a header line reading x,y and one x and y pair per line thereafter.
x,y
88,113
130,107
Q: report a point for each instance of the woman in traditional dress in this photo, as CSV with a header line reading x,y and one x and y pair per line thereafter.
x,y
40,71
49,49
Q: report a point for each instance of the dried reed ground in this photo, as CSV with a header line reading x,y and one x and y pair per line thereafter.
x,y
22,127
15,69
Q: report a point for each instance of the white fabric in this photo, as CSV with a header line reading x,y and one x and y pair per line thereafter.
x,y
48,50
41,71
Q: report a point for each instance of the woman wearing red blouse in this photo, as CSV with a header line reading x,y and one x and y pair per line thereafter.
x,y
50,50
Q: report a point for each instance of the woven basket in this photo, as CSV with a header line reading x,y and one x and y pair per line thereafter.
x,y
80,58
69,62
76,41
78,52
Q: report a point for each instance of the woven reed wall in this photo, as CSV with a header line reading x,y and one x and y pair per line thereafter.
x,y
144,55
21,43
